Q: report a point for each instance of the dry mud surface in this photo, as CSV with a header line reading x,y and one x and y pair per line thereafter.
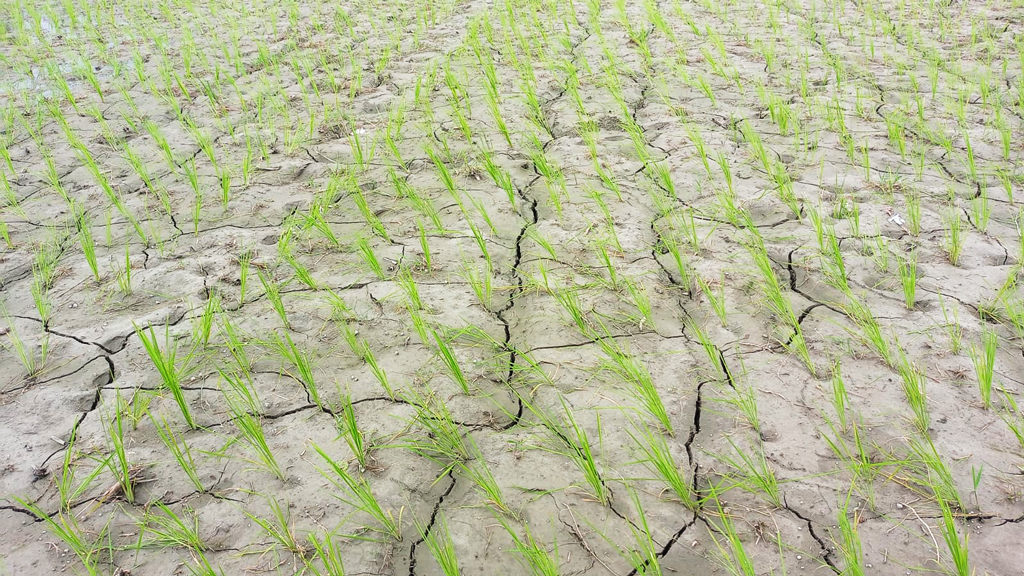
x,y
532,249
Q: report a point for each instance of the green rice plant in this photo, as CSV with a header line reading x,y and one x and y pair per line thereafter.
x,y
500,177
180,449
250,431
439,542
124,276
717,301
907,269
301,272
578,449
120,465
954,235
329,554
642,301
450,361
87,545
358,494
171,368
953,328
244,259
301,363
658,458
235,343
645,556
5,234
937,477
641,385
613,277
240,391
913,381
67,488
34,362
273,292
356,193
732,555
478,472
407,282
203,324
755,475
849,547
870,331
165,529
279,527
442,442
87,243
424,246
840,397
913,200
535,557
984,359
480,282
957,547
350,431
370,258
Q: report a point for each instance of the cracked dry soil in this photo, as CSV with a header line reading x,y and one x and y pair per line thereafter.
x,y
366,128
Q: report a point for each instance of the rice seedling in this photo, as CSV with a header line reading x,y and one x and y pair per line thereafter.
x,y
913,382
179,448
954,235
31,358
87,243
981,210
755,475
577,447
439,542
349,428
171,368
907,270
124,275
658,458
534,556
450,361
273,293
122,468
358,494
443,441
166,529
87,545
936,477
849,547
732,555
329,554
984,359
279,527
370,258
301,364
251,433
956,545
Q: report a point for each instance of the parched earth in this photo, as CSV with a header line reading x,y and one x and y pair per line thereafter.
x,y
607,287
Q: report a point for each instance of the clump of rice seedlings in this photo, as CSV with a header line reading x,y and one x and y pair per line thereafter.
x,y
535,557
180,449
755,475
124,275
329,555
913,200
480,282
301,272
67,488
645,556
936,478
424,246
480,474
954,235
913,380
717,301
732,555
658,458
840,398
981,210
957,546
870,330
354,437
448,358
907,269
300,362
235,343
273,292
370,258
358,494
88,245
250,431
984,359
639,379
642,301
850,547
240,391
443,442
87,545
120,465
279,527
172,369
577,447
203,324
439,542
33,360
166,529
